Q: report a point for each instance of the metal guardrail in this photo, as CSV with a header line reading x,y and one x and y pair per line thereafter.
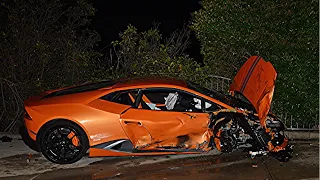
x,y
302,129
218,83
295,126
302,134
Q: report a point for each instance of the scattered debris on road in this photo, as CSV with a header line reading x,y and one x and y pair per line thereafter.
x,y
29,158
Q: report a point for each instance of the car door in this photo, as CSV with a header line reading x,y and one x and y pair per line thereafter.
x,y
150,127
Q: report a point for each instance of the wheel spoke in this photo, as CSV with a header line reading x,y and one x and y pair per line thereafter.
x,y
62,153
64,131
52,144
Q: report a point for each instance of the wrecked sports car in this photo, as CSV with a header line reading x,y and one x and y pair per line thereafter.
x,y
148,116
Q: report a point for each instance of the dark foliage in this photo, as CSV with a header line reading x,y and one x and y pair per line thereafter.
x,y
283,32
44,45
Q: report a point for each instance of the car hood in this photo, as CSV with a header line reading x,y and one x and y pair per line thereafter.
x,y
256,80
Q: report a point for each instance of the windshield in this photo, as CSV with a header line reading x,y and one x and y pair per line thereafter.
x,y
238,101
241,97
214,94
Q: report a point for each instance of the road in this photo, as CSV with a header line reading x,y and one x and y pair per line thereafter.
x,y
235,165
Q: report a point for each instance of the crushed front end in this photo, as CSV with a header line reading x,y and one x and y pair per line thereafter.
x,y
235,130
255,84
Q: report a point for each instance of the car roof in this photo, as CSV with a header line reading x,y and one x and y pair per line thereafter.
x,y
115,84
149,81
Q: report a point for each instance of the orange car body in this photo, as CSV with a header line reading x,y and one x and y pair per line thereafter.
x,y
150,132
256,80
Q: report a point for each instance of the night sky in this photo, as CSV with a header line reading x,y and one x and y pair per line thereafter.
x,y
113,16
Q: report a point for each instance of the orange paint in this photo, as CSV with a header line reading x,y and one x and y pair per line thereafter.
x,y
104,121
256,80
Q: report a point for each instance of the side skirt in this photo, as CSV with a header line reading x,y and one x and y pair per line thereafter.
x,y
123,147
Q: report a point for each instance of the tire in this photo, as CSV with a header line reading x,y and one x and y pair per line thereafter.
x,y
63,142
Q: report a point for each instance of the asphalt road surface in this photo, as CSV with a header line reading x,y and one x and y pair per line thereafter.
x,y
235,165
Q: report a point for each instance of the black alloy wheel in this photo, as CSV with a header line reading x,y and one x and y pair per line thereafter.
x,y
63,142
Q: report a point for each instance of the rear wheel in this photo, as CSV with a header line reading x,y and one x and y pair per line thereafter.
x,y
63,142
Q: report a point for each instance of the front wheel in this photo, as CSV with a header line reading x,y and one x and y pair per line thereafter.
x,y
227,141
63,142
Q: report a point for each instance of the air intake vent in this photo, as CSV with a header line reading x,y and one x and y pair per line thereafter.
x,y
27,116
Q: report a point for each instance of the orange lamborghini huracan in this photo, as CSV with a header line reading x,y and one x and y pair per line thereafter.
x,y
154,116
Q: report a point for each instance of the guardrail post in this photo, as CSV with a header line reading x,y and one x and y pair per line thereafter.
x,y
222,84
217,86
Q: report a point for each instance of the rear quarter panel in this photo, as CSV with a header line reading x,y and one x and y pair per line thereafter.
x,y
100,126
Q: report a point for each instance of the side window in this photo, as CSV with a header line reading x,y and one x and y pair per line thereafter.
x,y
211,106
156,97
126,97
170,100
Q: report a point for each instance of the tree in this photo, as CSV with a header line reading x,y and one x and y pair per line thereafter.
x,y
283,32
44,45
148,54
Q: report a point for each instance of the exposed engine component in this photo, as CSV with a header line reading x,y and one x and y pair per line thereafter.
x,y
239,131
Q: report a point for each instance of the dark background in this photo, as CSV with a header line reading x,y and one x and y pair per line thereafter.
x,y
113,17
